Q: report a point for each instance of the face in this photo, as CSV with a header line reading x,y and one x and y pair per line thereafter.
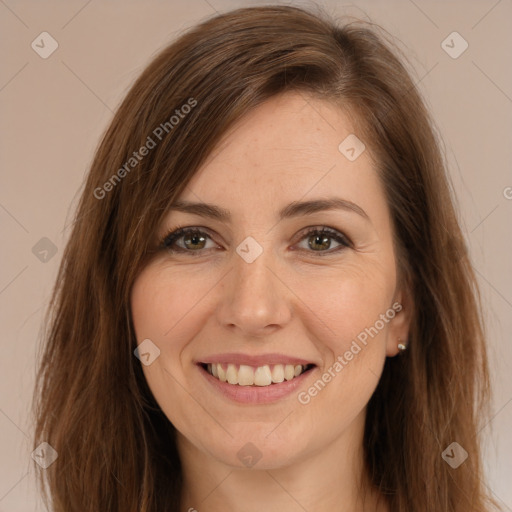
x,y
293,309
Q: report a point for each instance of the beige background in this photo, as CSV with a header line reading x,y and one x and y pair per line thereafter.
x,y
54,111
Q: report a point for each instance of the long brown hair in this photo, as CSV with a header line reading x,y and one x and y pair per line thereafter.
x,y
116,449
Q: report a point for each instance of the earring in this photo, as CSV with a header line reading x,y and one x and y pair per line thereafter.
x,y
401,346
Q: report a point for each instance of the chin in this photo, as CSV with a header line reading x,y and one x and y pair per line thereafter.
x,y
259,445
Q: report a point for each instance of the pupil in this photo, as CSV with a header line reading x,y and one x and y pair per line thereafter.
x,y
322,239
194,238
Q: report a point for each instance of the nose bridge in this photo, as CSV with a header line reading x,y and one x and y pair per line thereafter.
x,y
254,298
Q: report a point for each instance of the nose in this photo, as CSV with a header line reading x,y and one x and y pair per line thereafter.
x,y
254,300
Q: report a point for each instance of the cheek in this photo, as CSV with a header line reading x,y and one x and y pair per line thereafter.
x,y
346,302
161,301
348,318
162,308
159,314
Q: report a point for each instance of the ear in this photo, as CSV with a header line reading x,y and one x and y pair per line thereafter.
x,y
399,326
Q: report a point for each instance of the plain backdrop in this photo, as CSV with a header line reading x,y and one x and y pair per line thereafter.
x,y
54,110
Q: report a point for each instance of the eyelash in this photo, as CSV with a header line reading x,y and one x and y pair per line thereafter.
x,y
174,235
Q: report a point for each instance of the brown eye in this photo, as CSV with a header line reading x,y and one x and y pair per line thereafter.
x,y
320,240
192,240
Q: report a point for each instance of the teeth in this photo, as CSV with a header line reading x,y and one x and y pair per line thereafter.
x,y
232,374
289,372
221,372
262,376
245,375
278,373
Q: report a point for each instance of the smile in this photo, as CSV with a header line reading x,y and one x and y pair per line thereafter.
x,y
254,379
246,375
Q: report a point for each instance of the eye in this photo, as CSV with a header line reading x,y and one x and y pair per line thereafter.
x,y
192,240
319,238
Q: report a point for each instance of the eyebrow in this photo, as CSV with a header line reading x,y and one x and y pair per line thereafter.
x,y
294,209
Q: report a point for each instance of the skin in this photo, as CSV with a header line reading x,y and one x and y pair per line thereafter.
x,y
301,302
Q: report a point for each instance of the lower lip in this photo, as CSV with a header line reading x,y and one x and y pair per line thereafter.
x,y
256,394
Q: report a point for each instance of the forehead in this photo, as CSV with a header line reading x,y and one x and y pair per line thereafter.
x,y
284,150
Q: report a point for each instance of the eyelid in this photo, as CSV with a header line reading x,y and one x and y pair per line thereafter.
x,y
179,231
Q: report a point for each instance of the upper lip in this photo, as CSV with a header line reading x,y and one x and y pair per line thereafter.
x,y
258,360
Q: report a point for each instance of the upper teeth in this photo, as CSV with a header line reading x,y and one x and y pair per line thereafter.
x,y
245,375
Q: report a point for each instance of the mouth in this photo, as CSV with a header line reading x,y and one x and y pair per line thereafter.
x,y
255,376
254,379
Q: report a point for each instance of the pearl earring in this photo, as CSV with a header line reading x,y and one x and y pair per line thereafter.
x,y
401,346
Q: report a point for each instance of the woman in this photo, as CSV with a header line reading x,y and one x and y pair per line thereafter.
x,y
323,347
